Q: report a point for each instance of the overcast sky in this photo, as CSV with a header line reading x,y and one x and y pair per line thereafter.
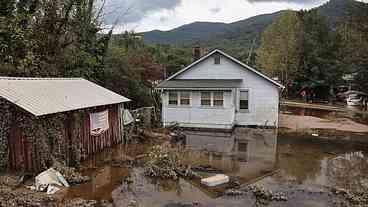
x,y
146,15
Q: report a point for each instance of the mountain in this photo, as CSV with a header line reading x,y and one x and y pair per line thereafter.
x,y
200,31
243,33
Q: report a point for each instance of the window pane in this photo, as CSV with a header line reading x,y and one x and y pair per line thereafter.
x,y
206,102
242,147
185,98
206,95
173,98
184,102
218,103
206,98
218,96
185,95
243,104
244,95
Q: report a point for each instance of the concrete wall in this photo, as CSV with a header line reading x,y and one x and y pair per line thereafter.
x,y
263,98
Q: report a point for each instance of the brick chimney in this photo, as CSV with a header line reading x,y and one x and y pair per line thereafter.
x,y
197,52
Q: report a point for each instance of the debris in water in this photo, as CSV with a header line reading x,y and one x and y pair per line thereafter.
x,y
234,192
264,196
10,197
49,177
218,179
207,169
80,203
71,174
162,162
52,189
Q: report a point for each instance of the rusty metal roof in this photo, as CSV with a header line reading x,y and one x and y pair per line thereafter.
x,y
42,96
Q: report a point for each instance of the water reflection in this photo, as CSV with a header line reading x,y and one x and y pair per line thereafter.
x,y
246,153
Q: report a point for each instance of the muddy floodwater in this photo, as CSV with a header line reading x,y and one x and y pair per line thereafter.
x,y
305,169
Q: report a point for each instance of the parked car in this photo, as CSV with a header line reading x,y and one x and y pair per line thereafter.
x,y
355,98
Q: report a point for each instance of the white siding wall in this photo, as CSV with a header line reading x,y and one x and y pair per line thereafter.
x,y
198,116
263,98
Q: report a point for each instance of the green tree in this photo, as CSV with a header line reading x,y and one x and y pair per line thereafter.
x,y
353,52
51,38
319,51
280,50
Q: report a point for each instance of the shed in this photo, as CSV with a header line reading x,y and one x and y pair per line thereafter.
x,y
48,119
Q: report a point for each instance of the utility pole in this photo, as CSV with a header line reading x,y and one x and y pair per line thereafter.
x,y
251,51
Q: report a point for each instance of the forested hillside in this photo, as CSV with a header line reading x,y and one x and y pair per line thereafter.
x,y
238,37
65,39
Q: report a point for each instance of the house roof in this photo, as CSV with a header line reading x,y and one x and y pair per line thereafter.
x,y
246,67
223,83
42,96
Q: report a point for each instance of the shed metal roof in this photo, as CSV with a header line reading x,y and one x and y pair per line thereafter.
x,y
42,96
180,83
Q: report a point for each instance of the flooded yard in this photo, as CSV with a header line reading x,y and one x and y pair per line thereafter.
x,y
304,170
267,167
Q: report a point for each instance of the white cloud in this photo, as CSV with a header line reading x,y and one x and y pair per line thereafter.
x,y
188,11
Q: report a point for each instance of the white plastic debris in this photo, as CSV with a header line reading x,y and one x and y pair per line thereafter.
x,y
127,117
215,180
315,135
52,190
49,177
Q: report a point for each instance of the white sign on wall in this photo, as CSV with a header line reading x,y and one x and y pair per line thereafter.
x,y
99,122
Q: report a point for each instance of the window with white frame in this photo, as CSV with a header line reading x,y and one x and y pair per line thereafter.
x,y
218,98
184,98
179,98
212,99
205,98
244,101
173,98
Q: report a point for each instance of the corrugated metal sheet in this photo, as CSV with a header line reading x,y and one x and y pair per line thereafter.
x,y
42,96
225,83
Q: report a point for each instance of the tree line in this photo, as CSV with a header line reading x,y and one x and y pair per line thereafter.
x,y
301,48
55,38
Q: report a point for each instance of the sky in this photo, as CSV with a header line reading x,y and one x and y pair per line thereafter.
x,y
147,15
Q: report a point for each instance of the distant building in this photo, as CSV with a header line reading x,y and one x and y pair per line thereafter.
x,y
219,91
64,119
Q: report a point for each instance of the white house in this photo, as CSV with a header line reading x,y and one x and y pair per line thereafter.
x,y
219,91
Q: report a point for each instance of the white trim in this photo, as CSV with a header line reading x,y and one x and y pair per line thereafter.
x,y
231,58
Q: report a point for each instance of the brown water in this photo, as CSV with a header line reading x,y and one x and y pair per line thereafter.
x,y
280,161
247,154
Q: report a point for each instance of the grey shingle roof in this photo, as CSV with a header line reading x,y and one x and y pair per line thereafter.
x,y
225,83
